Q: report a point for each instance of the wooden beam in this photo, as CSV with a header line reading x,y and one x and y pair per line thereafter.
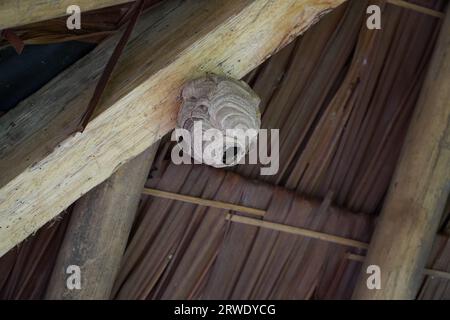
x,y
277,226
98,232
16,13
45,168
427,272
256,222
415,202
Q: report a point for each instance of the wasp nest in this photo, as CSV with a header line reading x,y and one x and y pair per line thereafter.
x,y
225,104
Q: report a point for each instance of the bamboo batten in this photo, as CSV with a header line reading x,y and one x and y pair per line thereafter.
x,y
203,202
275,226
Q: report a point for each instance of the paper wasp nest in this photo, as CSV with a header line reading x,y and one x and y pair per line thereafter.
x,y
221,103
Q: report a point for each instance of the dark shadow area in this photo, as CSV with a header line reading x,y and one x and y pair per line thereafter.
x,y
22,75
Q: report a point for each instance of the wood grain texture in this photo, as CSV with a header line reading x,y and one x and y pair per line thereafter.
x,y
44,169
418,194
98,232
20,12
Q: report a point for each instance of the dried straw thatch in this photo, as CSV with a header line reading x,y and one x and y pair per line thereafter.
x,y
343,97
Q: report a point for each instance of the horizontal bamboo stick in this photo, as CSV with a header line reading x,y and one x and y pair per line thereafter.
x,y
256,222
276,226
203,202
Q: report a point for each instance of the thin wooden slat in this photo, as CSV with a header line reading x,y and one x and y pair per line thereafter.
x,y
298,231
98,232
251,221
203,202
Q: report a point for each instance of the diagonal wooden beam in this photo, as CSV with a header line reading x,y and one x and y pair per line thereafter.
x,y
15,13
45,167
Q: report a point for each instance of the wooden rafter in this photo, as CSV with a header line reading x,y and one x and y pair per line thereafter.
x,y
98,231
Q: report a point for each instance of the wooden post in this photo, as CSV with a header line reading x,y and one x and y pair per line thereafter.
x,y
98,232
415,202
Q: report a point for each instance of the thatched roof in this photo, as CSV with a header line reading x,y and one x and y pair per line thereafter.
x,y
342,97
